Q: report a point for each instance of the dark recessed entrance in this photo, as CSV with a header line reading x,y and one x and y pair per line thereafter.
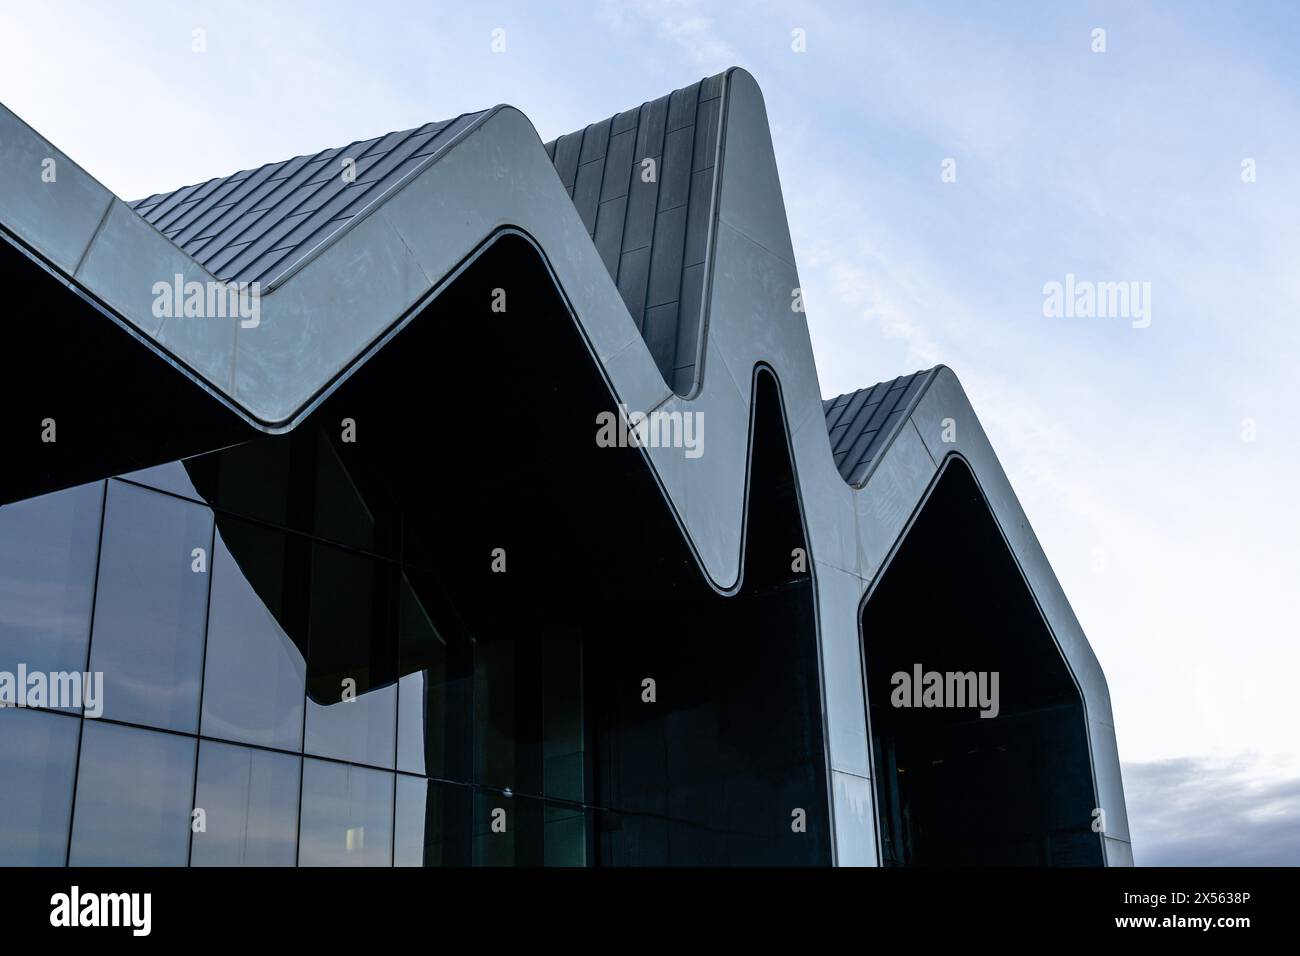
x,y
955,788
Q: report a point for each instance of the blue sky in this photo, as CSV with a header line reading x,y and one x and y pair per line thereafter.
x,y
1173,535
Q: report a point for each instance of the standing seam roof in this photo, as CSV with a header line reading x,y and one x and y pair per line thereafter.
x,y
651,231
860,423
652,235
254,225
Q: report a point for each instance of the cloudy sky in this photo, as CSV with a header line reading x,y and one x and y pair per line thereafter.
x,y
1157,464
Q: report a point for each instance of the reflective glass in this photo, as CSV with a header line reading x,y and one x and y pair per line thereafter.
x,y
38,759
255,673
252,480
495,715
48,551
151,607
435,693
565,836
347,815
250,804
562,745
169,477
133,797
342,514
352,666
432,826
508,830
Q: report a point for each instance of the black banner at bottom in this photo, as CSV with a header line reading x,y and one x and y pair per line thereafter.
x,y
362,907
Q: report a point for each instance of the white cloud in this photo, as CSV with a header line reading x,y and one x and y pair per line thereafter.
x,y
687,24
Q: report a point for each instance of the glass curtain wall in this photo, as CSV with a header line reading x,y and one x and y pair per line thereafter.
x,y
433,637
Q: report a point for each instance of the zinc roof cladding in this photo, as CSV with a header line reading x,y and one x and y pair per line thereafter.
x,y
860,423
652,233
254,225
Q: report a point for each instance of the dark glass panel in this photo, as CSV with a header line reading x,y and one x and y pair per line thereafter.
x,y
494,713
565,836
508,830
352,665
250,801
636,839
255,673
512,830
38,759
433,823
309,481
342,514
133,797
347,815
563,744
434,730
508,712
151,608
48,551
253,480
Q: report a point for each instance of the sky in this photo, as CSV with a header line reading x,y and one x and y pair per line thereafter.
x,y
941,164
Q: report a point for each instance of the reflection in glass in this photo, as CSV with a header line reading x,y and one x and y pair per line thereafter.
x,y
433,823
151,607
352,666
251,480
48,550
38,757
255,673
250,803
347,815
342,514
133,797
434,696
169,477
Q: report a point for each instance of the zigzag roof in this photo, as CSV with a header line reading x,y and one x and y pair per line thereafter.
x,y
680,285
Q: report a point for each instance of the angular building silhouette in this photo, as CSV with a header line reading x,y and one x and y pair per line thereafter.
x,y
456,498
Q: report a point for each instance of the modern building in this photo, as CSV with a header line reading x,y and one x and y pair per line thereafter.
x,y
458,498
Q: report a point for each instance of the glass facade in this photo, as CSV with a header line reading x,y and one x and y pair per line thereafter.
x,y
49,548
323,652
273,698
133,797
39,755
955,787
250,803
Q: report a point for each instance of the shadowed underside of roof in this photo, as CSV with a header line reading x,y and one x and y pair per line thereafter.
x,y
860,423
253,225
